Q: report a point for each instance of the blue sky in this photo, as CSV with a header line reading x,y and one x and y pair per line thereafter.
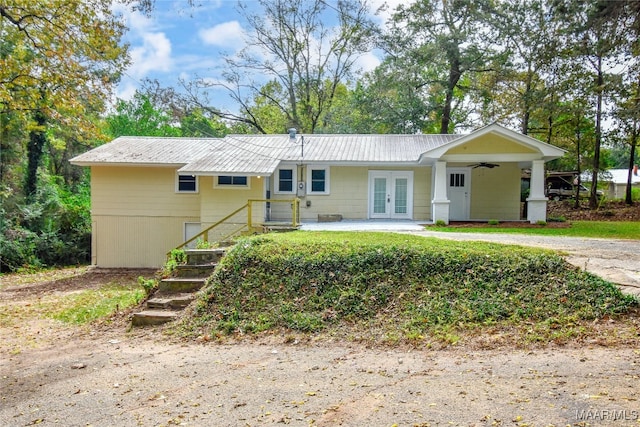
x,y
178,41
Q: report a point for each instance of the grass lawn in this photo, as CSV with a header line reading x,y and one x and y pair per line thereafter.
x,y
67,295
601,229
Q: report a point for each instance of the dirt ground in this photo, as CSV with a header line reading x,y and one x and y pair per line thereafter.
x,y
108,375
609,211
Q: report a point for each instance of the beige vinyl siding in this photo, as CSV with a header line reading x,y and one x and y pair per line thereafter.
x,y
219,201
136,241
140,191
137,215
495,193
349,195
422,194
490,144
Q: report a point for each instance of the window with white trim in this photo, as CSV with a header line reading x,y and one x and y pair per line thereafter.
x,y
285,183
232,181
187,184
318,180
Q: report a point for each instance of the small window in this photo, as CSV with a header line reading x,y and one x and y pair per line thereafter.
x,y
235,181
456,180
187,184
318,180
285,181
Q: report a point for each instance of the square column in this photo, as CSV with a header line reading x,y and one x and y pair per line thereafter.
x,y
537,201
440,202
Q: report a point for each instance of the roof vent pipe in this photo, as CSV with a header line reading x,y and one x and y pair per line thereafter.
x,y
292,134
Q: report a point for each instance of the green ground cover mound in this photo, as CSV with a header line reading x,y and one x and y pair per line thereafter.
x,y
395,287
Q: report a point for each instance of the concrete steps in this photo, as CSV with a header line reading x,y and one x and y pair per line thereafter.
x,y
176,293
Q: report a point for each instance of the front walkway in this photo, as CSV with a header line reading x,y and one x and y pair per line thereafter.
x,y
369,225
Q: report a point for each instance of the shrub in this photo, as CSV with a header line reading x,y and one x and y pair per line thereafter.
x,y
53,230
557,219
493,222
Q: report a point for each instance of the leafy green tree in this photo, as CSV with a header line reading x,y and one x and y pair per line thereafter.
x,y
389,101
522,83
291,44
138,117
438,43
196,124
592,41
58,60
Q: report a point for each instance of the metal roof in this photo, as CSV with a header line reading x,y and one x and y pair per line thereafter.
x,y
144,150
617,176
261,154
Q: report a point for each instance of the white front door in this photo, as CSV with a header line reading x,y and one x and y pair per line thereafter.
x,y
458,186
391,194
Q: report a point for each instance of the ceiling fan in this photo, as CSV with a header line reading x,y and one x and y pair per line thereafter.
x,y
484,165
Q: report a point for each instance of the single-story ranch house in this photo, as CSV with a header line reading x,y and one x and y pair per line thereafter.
x,y
150,194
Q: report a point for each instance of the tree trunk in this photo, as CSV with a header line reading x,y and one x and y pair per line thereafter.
x,y
454,77
578,140
593,199
35,148
526,117
628,199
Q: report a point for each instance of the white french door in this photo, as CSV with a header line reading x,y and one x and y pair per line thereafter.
x,y
391,194
458,186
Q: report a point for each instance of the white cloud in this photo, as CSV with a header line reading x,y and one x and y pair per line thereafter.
x,y
368,62
227,34
153,55
125,91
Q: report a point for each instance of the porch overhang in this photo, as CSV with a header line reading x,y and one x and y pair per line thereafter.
x,y
537,150
216,166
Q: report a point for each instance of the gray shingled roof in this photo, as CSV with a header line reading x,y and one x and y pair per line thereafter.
x,y
261,154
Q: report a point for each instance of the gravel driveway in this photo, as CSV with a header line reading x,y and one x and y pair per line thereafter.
x,y
132,381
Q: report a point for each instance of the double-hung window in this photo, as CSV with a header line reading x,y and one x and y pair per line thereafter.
x,y
285,182
318,180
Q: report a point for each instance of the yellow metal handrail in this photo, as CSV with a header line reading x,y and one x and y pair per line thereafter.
x,y
204,234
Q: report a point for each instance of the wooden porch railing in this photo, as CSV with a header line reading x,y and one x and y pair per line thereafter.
x,y
249,226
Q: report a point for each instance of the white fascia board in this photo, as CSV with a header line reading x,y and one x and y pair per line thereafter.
x,y
363,163
128,164
506,157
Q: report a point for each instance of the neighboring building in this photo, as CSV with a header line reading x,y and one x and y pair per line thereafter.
x,y
149,194
616,180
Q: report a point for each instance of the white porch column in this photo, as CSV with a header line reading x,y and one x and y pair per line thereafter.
x,y
537,201
440,202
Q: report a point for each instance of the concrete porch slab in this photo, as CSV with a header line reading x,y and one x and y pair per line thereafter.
x,y
369,225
